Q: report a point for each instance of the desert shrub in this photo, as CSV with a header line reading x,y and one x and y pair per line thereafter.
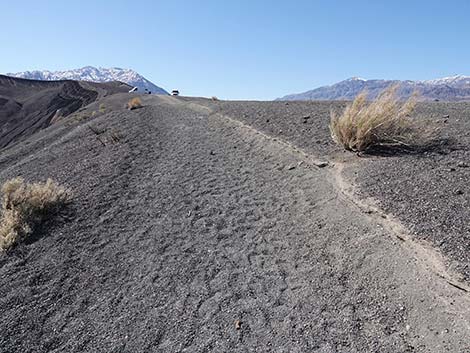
x,y
134,103
80,117
383,122
102,108
25,206
214,98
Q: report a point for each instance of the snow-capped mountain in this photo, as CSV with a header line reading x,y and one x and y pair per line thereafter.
x,y
455,81
93,74
454,88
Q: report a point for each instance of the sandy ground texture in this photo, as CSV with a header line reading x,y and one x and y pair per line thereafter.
x,y
428,192
194,230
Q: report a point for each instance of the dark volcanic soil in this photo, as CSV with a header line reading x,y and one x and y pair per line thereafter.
x,y
27,106
429,192
191,232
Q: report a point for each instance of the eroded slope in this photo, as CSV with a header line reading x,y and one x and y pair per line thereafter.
x,y
27,106
194,232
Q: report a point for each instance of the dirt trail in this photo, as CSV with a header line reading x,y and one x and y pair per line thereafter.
x,y
197,233
430,258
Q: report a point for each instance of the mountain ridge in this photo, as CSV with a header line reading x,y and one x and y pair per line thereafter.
x,y
452,88
93,74
28,106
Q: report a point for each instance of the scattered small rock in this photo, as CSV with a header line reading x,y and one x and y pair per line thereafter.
x,y
458,192
238,324
267,120
212,153
462,165
290,167
400,237
320,164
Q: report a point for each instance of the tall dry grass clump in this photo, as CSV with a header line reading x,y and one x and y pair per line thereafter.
x,y
134,103
384,122
25,206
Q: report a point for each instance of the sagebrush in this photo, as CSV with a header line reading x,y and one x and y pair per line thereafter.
x,y
385,121
25,206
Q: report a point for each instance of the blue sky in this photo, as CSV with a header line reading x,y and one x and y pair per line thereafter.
x,y
240,49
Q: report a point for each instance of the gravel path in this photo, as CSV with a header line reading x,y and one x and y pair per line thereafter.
x,y
195,233
429,193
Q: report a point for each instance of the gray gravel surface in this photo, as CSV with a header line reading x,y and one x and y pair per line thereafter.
x,y
193,233
429,192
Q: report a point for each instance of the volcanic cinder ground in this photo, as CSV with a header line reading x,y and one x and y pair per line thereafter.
x,y
211,226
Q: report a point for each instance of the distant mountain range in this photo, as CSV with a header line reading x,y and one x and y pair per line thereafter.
x,y
93,74
455,88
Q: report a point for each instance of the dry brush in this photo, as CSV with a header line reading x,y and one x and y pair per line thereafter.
x,y
383,122
25,206
134,103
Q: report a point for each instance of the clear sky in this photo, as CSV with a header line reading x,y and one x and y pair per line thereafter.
x,y
240,49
